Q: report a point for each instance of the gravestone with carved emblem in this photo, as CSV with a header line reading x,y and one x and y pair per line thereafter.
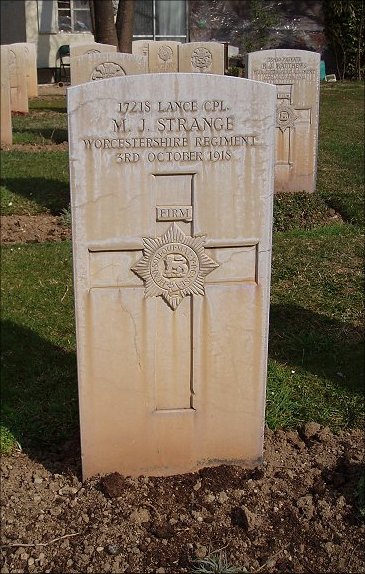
x,y
78,50
105,65
163,56
201,58
296,74
171,192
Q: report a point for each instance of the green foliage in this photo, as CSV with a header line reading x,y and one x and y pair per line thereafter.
x,y
66,216
233,71
7,441
263,16
344,26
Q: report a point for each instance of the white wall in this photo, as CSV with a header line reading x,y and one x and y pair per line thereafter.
x,y
41,28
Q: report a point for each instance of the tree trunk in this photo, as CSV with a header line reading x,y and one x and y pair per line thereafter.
x,y
124,25
105,31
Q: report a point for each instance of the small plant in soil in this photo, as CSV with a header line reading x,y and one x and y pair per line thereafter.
x,y
7,441
66,216
216,563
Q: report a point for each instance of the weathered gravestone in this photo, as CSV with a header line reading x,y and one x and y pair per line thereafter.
x,y
105,65
160,56
29,49
77,50
18,79
201,57
163,57
6,127
171,193
140,47
296,74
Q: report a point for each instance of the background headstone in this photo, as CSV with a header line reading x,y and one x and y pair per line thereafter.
x,y
171,192
105,65
6,126
163,57
77,50
30,67
18,79
201,57
140,47
296,74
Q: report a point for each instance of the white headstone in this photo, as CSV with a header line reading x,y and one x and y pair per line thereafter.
x,y
6,127
140,47
171,191
201,58
30,67
106,65
296,74
77,50
163,57
18,79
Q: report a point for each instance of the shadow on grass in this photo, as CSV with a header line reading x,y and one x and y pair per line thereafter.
x,y
51,195
39,397
325,347
55,135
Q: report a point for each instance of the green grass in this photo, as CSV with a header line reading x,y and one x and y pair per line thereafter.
x,y
315,369
316,364
46,122
53,103
34,182
341,149
39,381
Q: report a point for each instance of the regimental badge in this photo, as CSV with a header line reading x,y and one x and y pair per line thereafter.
x,y
107,70
285,116
174,265
201,59
165,53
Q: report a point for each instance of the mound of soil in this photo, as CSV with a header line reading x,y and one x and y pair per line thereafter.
x,y
298,513
33,229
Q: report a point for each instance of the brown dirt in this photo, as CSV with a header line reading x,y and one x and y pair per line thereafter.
x,y
33,228
298,513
